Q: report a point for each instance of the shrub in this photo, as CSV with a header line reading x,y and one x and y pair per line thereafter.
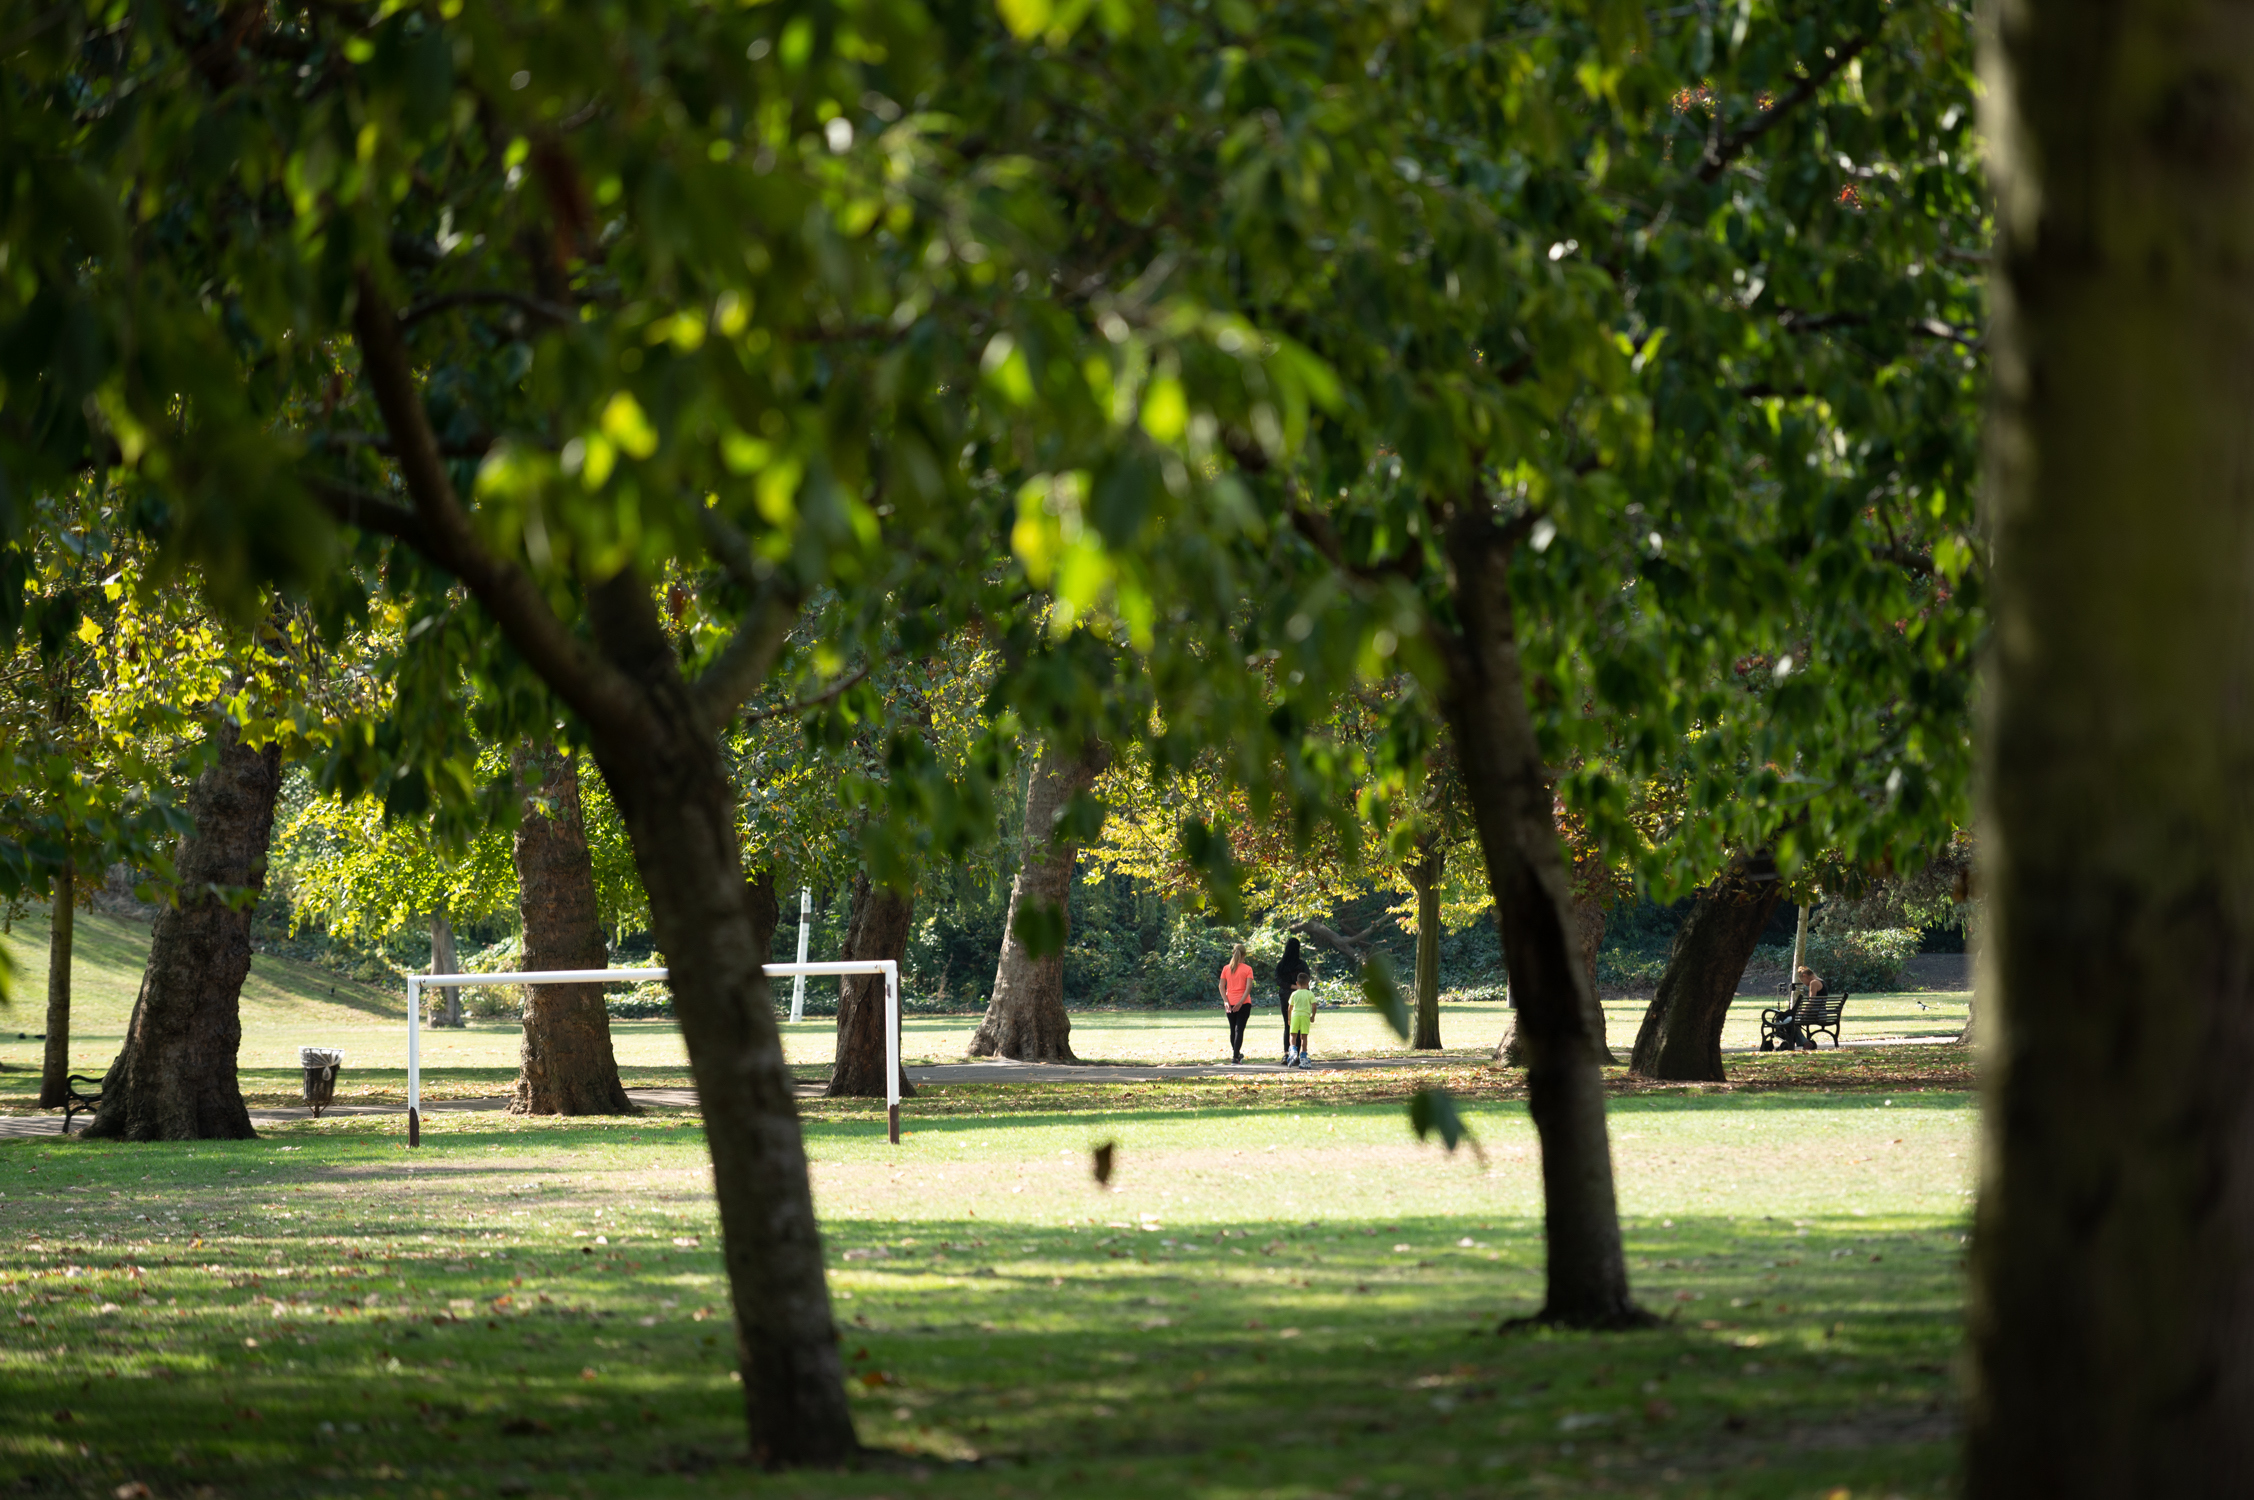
x,y
1864,962
1630,970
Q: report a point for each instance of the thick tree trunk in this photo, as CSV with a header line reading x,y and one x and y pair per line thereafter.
x,y
1424,879
566,1066
1512,808
175,1078
2112,1311
1681,1037
54,1075
1588,940
1025,1019
878,927
657,740
445,1002
671,784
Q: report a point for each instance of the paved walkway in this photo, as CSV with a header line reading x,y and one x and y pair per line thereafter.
x,y
986,1070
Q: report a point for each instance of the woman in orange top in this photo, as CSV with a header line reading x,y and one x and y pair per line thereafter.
x,y
1236,996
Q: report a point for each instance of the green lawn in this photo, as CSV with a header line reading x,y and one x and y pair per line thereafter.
x,y
1282,1297
288,1004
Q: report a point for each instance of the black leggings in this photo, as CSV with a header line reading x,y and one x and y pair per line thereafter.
x,y
1237,1019
1285,1007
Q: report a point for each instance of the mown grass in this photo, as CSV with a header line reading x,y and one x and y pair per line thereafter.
x,y
1283,1295
288,1004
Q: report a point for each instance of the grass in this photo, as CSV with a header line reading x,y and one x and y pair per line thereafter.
x,y
1282,1297
287,1004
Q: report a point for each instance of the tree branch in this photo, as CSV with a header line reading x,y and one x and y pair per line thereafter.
x,y
731,548
829,694
595,689
745,661
382,443
350,505
1721,153
1351,946
535,307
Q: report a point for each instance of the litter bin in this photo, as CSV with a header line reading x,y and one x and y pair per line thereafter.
x,y
320,1064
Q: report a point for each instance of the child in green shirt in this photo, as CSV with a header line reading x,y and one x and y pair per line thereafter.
x,y
1302,1017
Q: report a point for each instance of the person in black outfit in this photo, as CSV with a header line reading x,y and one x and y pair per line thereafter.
x,y
1291,972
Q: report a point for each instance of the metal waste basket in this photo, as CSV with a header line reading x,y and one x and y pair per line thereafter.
x,y
321,1065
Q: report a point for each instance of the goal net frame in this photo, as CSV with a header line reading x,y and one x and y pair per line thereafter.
x,y
840,968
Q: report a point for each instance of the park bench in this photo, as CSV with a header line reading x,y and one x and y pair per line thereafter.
x,y
76,1101
1804,1016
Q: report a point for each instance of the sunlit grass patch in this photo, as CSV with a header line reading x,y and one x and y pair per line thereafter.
x,y
1280,1294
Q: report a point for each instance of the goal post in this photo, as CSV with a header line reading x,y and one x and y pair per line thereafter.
x,y
840,968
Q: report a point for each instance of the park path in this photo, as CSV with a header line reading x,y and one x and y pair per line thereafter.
x,y
986,1070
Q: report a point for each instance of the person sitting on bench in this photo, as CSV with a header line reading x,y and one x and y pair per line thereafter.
x,y
1791,1036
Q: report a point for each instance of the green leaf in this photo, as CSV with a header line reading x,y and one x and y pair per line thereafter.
x,y
1384,995
1040,925
1432,1109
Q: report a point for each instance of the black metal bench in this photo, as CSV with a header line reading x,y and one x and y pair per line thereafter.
x,y
1799,1022
77,1102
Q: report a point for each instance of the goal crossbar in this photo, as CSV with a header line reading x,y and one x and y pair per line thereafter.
x,y
417,983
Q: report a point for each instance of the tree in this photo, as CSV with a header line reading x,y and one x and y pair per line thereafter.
x,y
878,927
568,1067
174,1079
1025,1017
2110,1327
1528,443
1681,1036
841,784
85,773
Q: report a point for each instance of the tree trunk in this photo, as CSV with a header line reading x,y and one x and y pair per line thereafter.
x,y
445,1001
1588,937
657,740
54,1076
2112,1313
175,1078
566,1066
1025,1019
671,784
1681,1036
878,927
1512,807
1424,879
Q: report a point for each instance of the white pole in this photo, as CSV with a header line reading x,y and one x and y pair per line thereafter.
x,y
798,985
892,1050
414,1060
838,967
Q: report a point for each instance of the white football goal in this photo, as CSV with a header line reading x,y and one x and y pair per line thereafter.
x,y
417,983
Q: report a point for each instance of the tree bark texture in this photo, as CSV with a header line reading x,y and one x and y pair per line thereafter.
x,y
2112,1308
566,1065
1681,1035
54,1074
656,738
1588,939
1513,810
671,784
446,1001
175,1078
1424,879
878,926
1025,1019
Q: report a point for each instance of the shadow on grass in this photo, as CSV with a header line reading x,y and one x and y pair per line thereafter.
x,y
456,1335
